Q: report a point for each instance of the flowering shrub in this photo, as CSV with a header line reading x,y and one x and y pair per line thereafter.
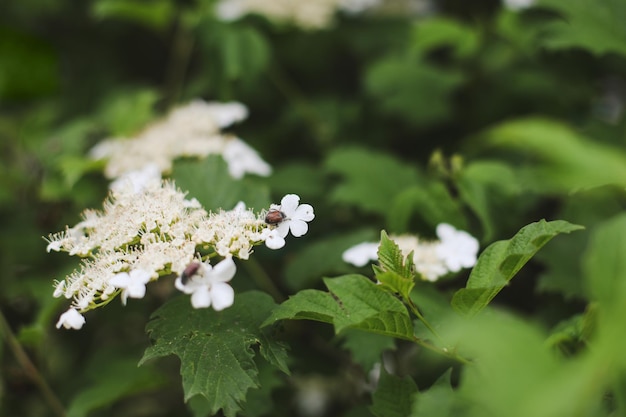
x,y
373,208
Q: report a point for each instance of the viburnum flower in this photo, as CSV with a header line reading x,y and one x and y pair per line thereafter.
x,y
361,254
71,319
432,259
241,158
208,285
133,283
191,130
142,234
295,218
458,249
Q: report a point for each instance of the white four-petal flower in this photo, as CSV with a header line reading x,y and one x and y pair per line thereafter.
x,y
133,284
296,217
208,286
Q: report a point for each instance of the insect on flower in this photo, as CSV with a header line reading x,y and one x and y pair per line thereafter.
x,y
189,272
275,217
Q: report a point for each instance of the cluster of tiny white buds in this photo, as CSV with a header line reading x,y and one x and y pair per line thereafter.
x,y
454,250
151,231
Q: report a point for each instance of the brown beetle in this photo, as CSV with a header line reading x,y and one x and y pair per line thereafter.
x,y
189,272
274,217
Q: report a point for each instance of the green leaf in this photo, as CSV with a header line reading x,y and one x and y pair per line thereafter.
x,y
563,159
366,178
353,301
155,14
391,258
597,27
441,32
604,263
393,396
215,348
416,91
499,263
208,180
395,271
111,379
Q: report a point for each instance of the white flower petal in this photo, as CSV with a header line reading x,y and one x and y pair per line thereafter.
x,y
71,319
120,280
289,204
298,227
222,296
282,229
224,271
304,212
201,298
361,254
274,240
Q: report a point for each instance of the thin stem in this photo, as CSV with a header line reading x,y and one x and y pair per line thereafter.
x,y
31,371
442,351
180,54
263,280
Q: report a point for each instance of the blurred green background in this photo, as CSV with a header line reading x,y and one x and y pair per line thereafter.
x,y
472,113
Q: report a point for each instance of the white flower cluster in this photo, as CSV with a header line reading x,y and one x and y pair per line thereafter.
x,y
518,4
454,250
192,130
312,14
140,236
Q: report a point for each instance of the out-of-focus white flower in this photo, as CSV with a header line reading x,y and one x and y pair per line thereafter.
x,y
139,180
361,254
228,10
225,114
432,259
133,284
457,249
518,4
71,319
295,220
208,285
241,159
357,6
314,14
191,130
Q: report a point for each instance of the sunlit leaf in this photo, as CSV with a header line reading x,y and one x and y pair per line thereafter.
x,y
353,301
594,26
563,160
155,14
499,263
